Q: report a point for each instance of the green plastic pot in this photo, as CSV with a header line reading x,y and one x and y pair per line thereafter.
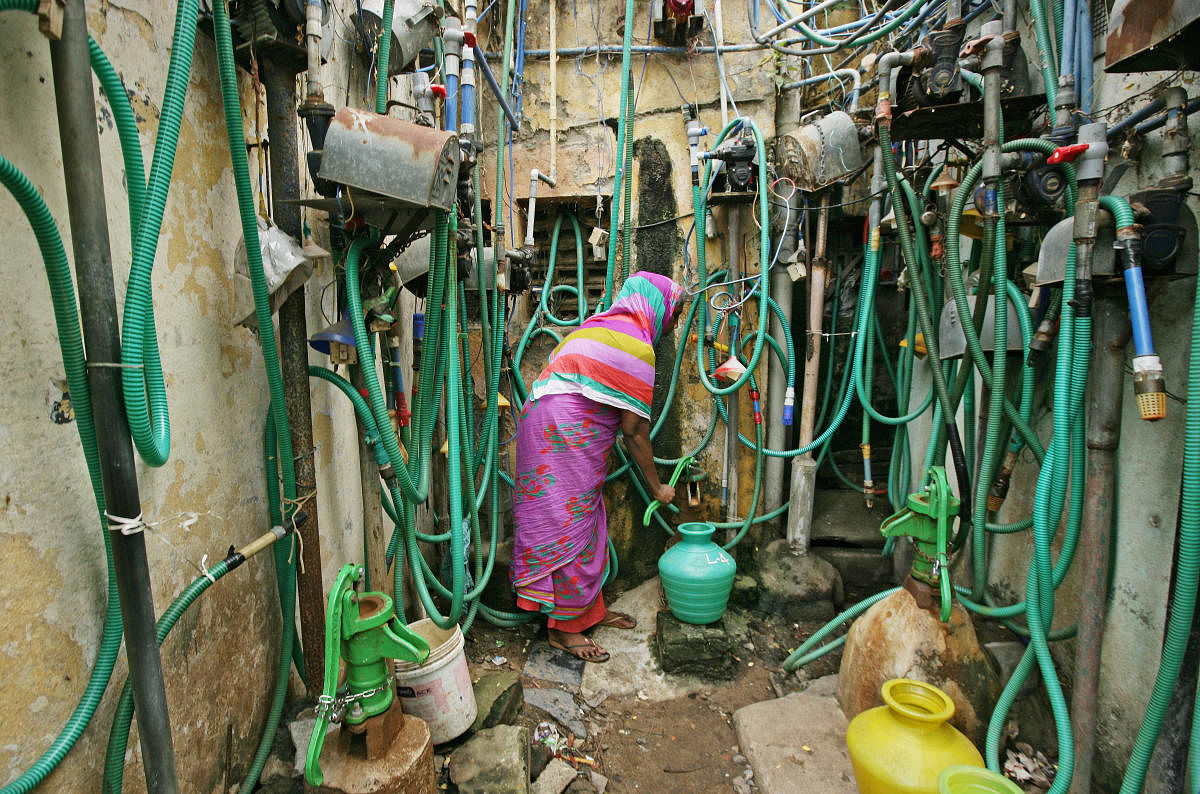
x,y
697,575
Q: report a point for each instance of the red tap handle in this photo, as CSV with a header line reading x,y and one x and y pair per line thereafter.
x,y
469,38
438,90
1066,154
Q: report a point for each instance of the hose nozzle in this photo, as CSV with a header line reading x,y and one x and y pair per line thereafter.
x,y
1043,340
1149,387
999,490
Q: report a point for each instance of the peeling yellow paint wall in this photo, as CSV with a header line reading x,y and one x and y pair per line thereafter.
x,y
220,660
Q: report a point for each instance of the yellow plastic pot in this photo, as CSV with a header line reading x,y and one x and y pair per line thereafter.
x,y
974,780
902,747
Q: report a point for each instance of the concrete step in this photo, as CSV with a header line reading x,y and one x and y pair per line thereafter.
x,y
864,572
796,744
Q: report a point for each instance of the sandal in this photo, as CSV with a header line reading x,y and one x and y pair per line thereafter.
x,y
618,620
580,650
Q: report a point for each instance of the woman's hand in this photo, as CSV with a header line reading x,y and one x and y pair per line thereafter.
x,y
637,439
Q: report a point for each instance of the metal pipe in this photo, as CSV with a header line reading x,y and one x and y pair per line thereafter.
x,y
887,63
88,214
781,291
553,92
780,392
279,81
1010,16
853,74
374,536
1103,432
1136,117
312,43
1150,126
804,468
534,176
481,62
636,49
1175,143
803,15
733,247
993,63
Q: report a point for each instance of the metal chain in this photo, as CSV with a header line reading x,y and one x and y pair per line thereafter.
x,y
335,708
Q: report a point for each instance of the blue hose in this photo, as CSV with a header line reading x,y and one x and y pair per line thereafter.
x,y
1139,315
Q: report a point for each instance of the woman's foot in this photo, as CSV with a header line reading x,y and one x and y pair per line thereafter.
x,y
578,645
618,620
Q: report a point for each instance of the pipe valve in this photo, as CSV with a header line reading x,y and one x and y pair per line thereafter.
x,y
1149,387
1067,154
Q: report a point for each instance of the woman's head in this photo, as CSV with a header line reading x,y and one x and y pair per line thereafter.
x,y
656,298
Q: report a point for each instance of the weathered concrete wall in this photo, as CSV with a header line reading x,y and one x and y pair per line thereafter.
x,y
220,659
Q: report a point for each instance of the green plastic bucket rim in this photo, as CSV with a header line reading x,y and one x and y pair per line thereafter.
x,y
976,779
698,530
918,700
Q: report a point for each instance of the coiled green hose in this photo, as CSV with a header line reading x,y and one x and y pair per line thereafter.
x,y
141,367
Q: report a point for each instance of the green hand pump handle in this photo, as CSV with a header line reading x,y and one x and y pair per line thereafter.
x,y
926,520
361,629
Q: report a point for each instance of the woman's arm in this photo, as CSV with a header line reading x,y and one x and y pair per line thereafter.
x,y
637,439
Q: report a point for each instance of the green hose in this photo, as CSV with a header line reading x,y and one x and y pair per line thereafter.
x,y
804,654
625,155
284,562
141,367
578,290
385,51
127,131
66,318
992,446
1187,579
1046,51
118,737
895,22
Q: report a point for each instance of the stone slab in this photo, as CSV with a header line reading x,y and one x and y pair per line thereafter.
x,y
499,697
550,664
633,668
825,686
561,706
557,775
493,761
796,744
705,651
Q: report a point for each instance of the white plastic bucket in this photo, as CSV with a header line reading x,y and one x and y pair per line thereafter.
x,y
438,691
